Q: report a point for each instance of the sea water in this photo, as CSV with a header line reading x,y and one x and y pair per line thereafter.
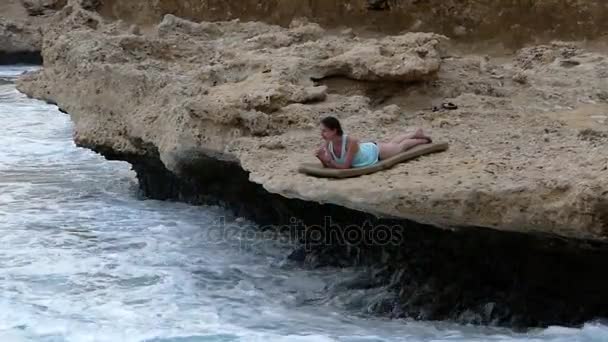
x,y
84,257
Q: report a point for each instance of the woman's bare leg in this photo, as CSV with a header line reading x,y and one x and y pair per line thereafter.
x,y
418,134
399,138
388,150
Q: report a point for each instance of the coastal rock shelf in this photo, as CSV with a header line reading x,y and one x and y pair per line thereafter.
x,y
527,143
491,231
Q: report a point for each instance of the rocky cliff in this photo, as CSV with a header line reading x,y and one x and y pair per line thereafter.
x,y
510,22
208,110
527,141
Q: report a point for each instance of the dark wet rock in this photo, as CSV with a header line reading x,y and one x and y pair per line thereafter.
x,y
383,303
298,254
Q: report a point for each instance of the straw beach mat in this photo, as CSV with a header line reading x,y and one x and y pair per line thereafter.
x,y
319,170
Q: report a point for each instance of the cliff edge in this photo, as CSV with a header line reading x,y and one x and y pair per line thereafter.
x,y
507,22
527,141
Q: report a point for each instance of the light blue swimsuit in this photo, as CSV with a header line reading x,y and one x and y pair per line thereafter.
x,y
367,154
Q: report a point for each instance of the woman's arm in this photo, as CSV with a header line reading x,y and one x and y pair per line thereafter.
x,y
323,155
352,149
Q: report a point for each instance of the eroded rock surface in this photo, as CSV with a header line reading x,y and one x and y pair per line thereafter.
x,y
41,7
16,37
21,34
509,22
527,140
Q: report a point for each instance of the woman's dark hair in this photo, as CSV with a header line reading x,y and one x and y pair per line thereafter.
x,y
333,124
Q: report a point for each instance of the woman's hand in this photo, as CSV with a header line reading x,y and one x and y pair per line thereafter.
x,y
323,156
321,153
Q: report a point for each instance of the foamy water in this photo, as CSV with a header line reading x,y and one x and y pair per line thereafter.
x,y
84,258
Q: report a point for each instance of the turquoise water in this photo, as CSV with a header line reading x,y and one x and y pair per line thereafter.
x,y
84,258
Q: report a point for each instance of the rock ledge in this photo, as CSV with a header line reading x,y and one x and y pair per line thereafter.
x,y
527,141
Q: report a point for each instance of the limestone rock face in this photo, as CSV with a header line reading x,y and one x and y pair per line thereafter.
x,y
40,7
16,37
527,139
512,23
22,25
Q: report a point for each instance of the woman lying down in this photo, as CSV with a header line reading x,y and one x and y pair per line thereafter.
x,y
353,153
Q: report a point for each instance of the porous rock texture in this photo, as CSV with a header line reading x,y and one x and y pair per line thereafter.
x,y
23,23
510,22
16,37
41,7
20,38
527,142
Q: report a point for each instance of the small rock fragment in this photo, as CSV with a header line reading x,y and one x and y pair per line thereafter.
x,y
520,78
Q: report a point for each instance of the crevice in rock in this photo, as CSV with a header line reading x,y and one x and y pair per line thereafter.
x,y
378,5
22,57
379,92
470,275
